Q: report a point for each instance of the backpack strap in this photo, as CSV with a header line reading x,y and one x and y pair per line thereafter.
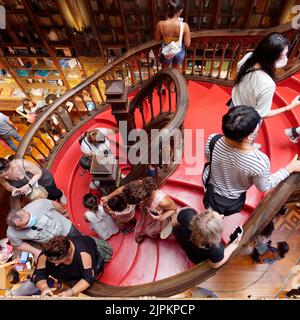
x,y
212,144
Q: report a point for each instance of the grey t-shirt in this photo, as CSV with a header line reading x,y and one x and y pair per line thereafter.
x,y
50,224
4,125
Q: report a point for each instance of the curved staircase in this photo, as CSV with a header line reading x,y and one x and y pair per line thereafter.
x,y
160,267
153,260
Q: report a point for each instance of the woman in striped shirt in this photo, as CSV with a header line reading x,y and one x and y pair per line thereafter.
x,y
236,165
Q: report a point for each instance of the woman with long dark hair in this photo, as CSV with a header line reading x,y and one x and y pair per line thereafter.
x,y
169,30
255,82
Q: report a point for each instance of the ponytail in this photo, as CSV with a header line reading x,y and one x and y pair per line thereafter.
x,y
174,6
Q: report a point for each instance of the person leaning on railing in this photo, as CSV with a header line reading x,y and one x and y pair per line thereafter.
x,y
20,176
169,30
200,236
68,259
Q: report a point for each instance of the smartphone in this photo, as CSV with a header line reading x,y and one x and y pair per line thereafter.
x,y
154,212
235,233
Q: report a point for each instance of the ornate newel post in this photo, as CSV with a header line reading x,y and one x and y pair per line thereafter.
x,y
117,96
105,170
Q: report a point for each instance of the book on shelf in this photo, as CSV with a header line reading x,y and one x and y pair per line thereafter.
x,y
42,73
23,73
74,74
6,92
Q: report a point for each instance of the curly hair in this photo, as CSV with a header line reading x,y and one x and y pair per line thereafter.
x,y
136,191
207,228
56,248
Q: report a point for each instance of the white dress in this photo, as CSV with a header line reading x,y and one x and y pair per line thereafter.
x,y
102,223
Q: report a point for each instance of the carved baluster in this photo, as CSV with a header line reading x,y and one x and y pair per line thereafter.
x,y
233,58
160,89
81,96
141,109
213,60
34,145
76,108
39,136
194,60
224,48
38,161
148,66
99,90
150,99
203,57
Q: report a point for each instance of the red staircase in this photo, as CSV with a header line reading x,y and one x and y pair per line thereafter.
x,y
153,260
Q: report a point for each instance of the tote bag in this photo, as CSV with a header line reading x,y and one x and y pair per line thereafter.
x,y
169,51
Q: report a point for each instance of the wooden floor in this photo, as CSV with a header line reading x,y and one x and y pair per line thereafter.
x,y
243,279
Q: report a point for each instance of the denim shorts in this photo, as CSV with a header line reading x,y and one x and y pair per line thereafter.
x,y
175,60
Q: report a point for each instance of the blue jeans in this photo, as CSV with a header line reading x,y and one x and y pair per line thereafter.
x,y
7,138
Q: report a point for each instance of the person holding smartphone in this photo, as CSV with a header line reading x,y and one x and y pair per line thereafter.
x,y
157,208
200,236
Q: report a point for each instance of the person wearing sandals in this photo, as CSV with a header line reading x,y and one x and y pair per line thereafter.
x,y
101,222
157,208
20,176
70,259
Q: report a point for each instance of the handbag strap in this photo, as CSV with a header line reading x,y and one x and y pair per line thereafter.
x,y
212,144
181,33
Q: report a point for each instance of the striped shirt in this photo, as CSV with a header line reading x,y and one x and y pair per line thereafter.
x,y
234,172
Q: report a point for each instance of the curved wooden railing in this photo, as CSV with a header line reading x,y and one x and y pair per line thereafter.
x,y
218,51
212,56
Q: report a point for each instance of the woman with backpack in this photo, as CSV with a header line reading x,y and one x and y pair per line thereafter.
x,y
169,31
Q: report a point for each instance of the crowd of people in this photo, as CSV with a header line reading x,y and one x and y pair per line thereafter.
x,y
234,164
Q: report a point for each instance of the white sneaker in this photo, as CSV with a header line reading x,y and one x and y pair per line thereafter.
x,y
94,185
292,134
166,231
63,199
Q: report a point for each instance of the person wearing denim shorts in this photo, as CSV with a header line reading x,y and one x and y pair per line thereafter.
x,y
168,30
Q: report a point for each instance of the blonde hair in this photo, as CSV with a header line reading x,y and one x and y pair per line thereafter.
x,y
207,228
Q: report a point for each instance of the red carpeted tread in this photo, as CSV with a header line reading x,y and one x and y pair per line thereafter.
x,y
152,260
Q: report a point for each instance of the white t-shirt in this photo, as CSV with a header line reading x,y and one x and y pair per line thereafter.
x,y
102,223
256,89
89,148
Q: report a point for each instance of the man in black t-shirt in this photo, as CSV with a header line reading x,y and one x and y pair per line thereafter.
x,y
200,236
